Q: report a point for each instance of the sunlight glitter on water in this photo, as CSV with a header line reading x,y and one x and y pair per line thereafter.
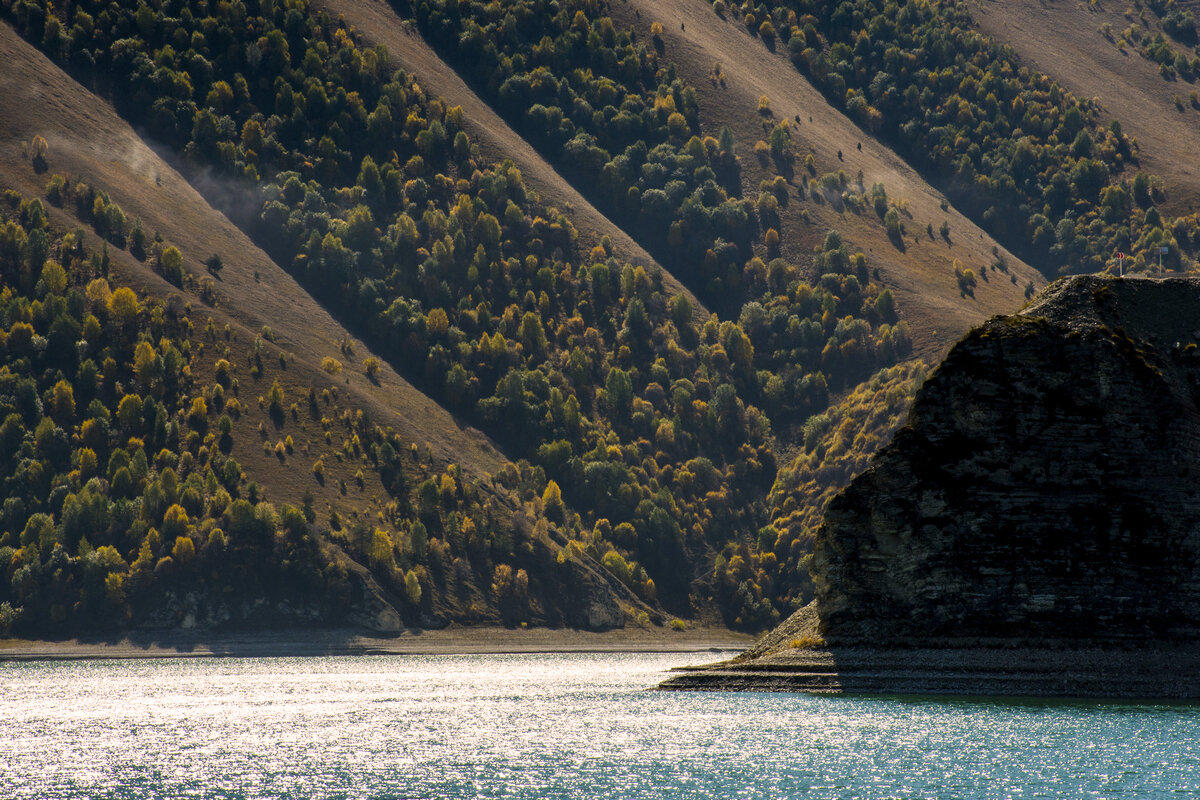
x,y
547,726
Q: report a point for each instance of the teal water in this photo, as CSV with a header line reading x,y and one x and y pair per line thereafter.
x,y
548,726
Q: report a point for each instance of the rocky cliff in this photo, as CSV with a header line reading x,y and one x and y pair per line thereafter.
x,y
1047,483
1044,497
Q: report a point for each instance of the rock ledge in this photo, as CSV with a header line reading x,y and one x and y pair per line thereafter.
x,y
1034,529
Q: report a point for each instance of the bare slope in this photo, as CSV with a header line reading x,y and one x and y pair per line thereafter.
x,y
1063,39
89,140
377,23
922,276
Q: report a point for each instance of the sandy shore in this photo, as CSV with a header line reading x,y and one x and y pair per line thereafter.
x,y
453,640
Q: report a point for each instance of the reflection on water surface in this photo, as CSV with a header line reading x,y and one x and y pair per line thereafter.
x,y
546,726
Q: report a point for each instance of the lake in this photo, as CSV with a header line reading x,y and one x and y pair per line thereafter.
x,y
548,726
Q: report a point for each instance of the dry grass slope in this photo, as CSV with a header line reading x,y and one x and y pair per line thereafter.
x,y
89,140
921,277
377,23
1064,41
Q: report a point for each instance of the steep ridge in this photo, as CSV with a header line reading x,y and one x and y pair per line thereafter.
x,y
922,275
510,406
1033,527
1065,40
377,23
88,139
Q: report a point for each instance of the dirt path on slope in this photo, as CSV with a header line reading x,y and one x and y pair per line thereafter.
x,y
922,277
1063,40
377,23
88,140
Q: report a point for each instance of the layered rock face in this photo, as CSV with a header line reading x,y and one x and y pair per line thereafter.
x,y
1046,486
1034,529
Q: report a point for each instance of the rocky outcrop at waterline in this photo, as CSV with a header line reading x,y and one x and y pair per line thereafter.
x,y
1034,529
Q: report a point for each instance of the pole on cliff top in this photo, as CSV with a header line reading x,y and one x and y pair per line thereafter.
x,y
1120,265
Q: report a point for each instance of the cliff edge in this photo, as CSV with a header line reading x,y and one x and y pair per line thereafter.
x,y
1034,529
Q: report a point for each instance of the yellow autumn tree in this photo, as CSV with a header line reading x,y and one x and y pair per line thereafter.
x,y
123,306
552,502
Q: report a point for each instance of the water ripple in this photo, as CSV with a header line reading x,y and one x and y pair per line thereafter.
x,y
547,726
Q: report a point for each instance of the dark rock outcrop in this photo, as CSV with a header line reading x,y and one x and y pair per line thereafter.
x,y
1040,509
1046,485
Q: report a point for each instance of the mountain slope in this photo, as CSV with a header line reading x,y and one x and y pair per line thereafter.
x,y
362,152
88,139
378,24
1065,41
485,548
839,328
922,275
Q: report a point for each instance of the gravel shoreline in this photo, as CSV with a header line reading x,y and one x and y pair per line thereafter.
x,y
451,641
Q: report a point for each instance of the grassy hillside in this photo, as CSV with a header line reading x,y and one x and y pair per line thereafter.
x,y
670,459
918,269
243,302
1033,162
88,140
1124,57
265,346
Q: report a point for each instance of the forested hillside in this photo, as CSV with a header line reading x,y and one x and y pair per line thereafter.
x,y
118,483
641,415
1138,61
125,504
1011,146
